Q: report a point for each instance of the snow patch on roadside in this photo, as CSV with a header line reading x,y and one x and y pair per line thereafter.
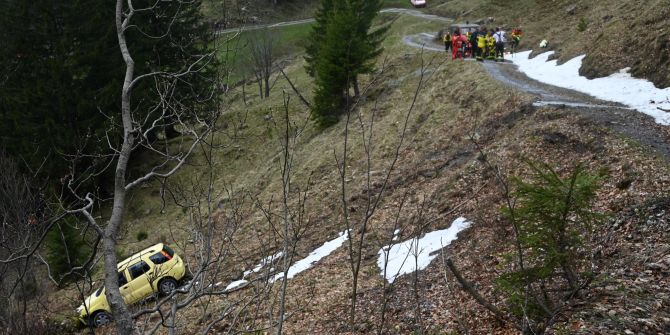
x,y
417,253
639,94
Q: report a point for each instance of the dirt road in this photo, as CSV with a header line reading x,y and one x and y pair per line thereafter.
x,y
404,11
619,118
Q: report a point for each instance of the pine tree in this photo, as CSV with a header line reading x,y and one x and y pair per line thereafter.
x,y
185,37
551,215
67,249
61,74
64,72
317,35
342,48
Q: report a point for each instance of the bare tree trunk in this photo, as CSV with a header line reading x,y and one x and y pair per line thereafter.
x,y
172,328
267,84
286,220
124,321
259,81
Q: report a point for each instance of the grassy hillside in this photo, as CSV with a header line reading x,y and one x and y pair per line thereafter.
x,y
461,118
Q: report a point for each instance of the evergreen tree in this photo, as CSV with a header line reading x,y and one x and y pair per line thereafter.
x,y
552,216
184,38
342,47
62,75
317,35
67,249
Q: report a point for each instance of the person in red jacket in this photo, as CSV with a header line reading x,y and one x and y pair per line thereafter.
x,y
458,44
455,43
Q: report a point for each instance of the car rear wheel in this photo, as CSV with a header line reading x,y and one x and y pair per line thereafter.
x,y
167,285
101,318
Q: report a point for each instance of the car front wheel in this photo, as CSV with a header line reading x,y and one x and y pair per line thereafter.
x,y
167,285
101,318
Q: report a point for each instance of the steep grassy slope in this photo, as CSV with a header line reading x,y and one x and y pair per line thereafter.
x,y
441,178
614,34
461,117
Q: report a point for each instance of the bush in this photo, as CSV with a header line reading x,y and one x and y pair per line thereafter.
x,y
141,235
582,25
550,217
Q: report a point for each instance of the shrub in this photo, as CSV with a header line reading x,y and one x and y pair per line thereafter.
x,y
582,25
141,235
550,216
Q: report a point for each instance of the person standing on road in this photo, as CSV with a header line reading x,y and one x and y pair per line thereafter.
x,y
481,44
499,37
446,38
516,39
473,43
490,45
458,45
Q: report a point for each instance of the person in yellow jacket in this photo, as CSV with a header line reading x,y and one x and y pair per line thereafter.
x,y
481,44
446,38
490,46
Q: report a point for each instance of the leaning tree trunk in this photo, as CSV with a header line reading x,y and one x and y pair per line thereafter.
x,y
124,321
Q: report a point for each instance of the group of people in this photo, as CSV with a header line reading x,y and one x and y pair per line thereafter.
x,y
480,44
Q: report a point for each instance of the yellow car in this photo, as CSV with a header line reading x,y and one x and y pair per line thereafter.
x,y
154,269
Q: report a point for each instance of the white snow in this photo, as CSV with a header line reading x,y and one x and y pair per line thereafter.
x,y
299,266
395,235
315,256
235,284
415,254
620,87
265,261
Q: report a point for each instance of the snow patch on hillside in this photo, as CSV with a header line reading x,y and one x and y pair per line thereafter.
x,y
417,253
639,94
315,256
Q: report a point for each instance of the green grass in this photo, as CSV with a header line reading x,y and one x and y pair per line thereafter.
x,y
235,51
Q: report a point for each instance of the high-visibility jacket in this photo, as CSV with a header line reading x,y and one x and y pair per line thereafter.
x,y
481,41
490,41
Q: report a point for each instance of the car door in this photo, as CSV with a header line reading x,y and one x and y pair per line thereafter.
x,y
139,281
124,286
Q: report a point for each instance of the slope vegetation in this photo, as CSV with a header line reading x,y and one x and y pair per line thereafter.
x,y
446,121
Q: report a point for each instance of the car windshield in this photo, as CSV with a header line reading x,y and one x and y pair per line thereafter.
x,y
97,293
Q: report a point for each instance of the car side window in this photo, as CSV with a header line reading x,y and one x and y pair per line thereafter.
x,y
122,279
138,269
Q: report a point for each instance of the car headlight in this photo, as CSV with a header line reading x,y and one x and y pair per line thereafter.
x,y
80,309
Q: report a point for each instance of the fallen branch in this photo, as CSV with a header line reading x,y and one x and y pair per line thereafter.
x,y
473,292
304,101
664,109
